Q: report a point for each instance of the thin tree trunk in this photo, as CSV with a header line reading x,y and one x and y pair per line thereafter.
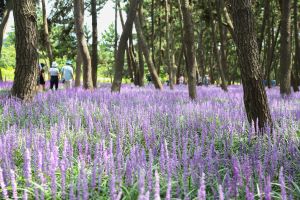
x,y
141,64
285,48
152,30
116,27
144,47
255,98
223,38
263,26
217,53
168,46
94,43
201,55
4,23
189,46
297,46
1,77
46,33
78,69
82,44
119,64
26,49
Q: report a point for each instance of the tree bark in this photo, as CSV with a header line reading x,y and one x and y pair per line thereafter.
x,y
26,49
94,43
78,69
46,33
119,63
3,24
1,77
217,52
223,39
285,48
141,64
297,47
255,98
82,44
189,47
145,49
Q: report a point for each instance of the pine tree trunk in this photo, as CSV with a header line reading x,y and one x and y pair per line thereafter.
x,y
119,63
46,33
78,69
82,44
189,47
4,23
94,43
255,98
26,49
145,49
285,48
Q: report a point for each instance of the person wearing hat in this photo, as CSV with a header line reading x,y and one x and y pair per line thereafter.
x,y
54,76
67,74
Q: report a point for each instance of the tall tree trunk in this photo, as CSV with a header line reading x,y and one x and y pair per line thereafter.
x,y
1,77
119,63
285,48
78,69
95,42
168,46
141,64
255,98
189,47
217,53
46,33
4,23
201,55
116,27
266,17
144,47
82,44
152,30
297,46
223,39
26,49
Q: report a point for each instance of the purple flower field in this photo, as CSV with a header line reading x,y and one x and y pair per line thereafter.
x,y
145,144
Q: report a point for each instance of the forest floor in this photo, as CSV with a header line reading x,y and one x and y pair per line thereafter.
x,y
143,143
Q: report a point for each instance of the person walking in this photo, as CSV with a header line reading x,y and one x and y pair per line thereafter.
x,y
42,79
54,76
67,74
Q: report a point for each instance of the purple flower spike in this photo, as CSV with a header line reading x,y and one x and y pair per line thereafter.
x,y
282,184
201,191
157,187
2,184
221,193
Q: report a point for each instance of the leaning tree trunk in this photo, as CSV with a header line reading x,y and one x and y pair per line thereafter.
x,y
255,98
82,44
119,62
95,43
285,48
78,69
188,39
26,49
4,23
146,53
46,33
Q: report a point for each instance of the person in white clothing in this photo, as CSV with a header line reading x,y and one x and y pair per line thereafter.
x,y
67,74
54,76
